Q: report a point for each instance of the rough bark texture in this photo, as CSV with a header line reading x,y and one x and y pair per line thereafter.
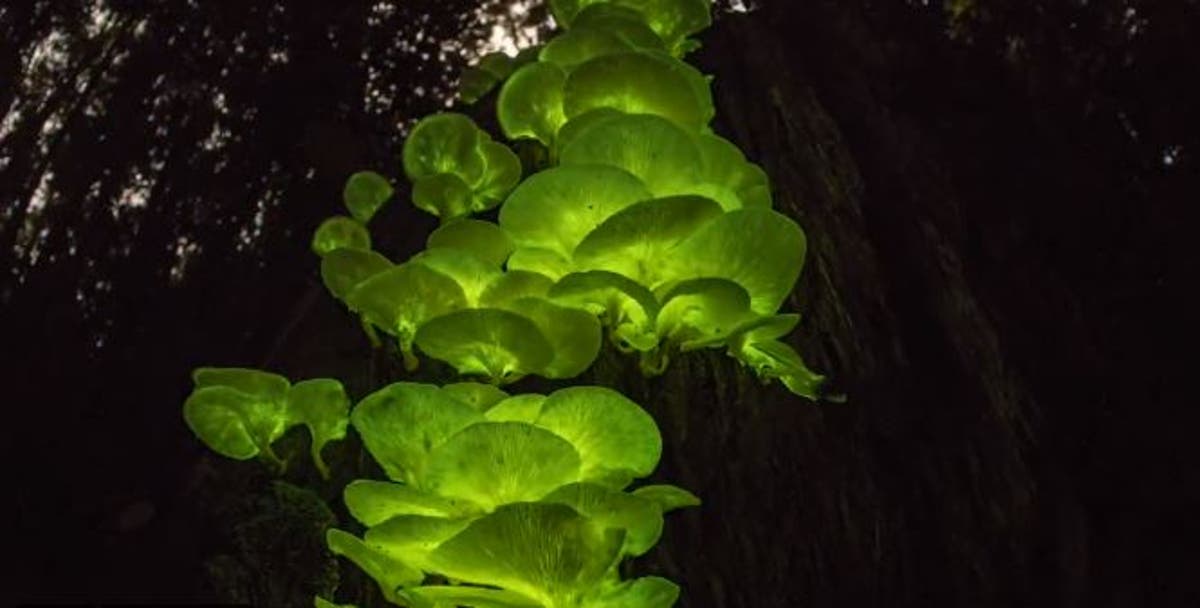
x,y
916,491
967,466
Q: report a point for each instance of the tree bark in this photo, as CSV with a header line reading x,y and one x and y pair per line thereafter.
x,y
933,484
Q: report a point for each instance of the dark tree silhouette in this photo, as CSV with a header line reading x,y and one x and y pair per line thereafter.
x,y
994,194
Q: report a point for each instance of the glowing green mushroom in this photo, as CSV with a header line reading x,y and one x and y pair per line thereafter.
x,y
645,592
261,385
500,345
321,405
756,188
556,208
496,463
524,500
514,285
724,163
400,299
320,602
757,248
502,172
475,394
667,497
754,343
238,412
474,83
233,423
627,23
470,273
337,232
753,329
478,79
639,242
701,311
626,307
547,552
652,148
640,82
456,168
518,408
576,46
728,177
433,596
531,104
374,502
673,20
409,539
539,260
401,423
580,124
666,157
389,573
574,335
598,30
344,268
616,438
444,143
641,519
484,240
775,359
365,192
444,195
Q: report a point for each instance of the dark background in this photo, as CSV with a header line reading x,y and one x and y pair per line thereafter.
x,y
997,196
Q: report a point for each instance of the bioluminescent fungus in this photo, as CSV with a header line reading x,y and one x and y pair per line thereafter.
x,y
645,225
672,20
339,232
484,240
556,208
525,498
530,102
456,168
365,193
240,412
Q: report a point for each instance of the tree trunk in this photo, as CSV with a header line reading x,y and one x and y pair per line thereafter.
x,y
952,474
